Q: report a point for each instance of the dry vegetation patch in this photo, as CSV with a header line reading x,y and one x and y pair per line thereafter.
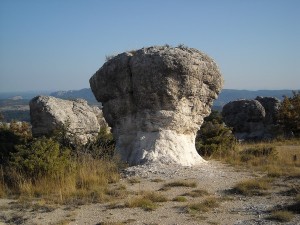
x,y
281,216
252,187
203,206
181,183
179,199
147,201
197,193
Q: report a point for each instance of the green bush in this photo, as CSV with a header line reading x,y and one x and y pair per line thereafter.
x,y
103,147
289,114
16,133
214,138
41,157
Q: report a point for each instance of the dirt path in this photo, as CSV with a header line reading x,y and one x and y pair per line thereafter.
x,y
215,178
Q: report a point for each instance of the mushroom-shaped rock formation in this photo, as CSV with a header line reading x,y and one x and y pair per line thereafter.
x,y
155,100
49,113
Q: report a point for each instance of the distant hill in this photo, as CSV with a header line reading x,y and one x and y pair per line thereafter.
x,y
15,105
225,96
85,93
22,94
228,95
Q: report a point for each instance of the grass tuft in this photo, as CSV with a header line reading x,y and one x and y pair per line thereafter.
x,y
204,206
252,187
197,193
134,180
146,201
281,216
181,184
179,199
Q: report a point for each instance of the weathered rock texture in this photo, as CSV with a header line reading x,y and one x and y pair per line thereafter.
x,y
50,113
252,119
155,100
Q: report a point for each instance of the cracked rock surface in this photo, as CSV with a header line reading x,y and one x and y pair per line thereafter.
x,y
155,100
49,113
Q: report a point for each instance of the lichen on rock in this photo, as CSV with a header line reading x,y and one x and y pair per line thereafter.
x,y
155,100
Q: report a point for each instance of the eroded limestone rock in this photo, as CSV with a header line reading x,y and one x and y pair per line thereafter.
x,y
155,100
49,113
252,119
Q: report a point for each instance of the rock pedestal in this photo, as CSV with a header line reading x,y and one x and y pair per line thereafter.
x,y
155,100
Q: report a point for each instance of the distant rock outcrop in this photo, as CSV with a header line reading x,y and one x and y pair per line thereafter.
x,y
252,119
49,113
271,106
155,100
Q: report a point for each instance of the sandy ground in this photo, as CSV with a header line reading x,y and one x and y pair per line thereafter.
x,y
216,178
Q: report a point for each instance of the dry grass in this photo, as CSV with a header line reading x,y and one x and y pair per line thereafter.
x,y
111,223
276,158
157,180
179,199
252,187
281,216
204,206
134,180
181,183
87,182
197,193
147,201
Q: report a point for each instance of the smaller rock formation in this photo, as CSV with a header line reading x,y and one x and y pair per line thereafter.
x,y
271,106
252,119
49,113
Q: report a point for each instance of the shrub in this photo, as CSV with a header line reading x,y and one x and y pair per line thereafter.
x,y
289,114
214,138
41,157
104,145
16,133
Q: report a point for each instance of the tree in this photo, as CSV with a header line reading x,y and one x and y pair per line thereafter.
x,y
289,114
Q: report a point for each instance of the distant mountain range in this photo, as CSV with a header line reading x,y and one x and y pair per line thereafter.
x,y
228,95
14,105
225,96
85,93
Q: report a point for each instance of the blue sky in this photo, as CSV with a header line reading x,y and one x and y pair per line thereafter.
x,y
59,44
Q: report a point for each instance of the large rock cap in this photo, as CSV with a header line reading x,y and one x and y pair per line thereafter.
x,y
49,113
155,100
